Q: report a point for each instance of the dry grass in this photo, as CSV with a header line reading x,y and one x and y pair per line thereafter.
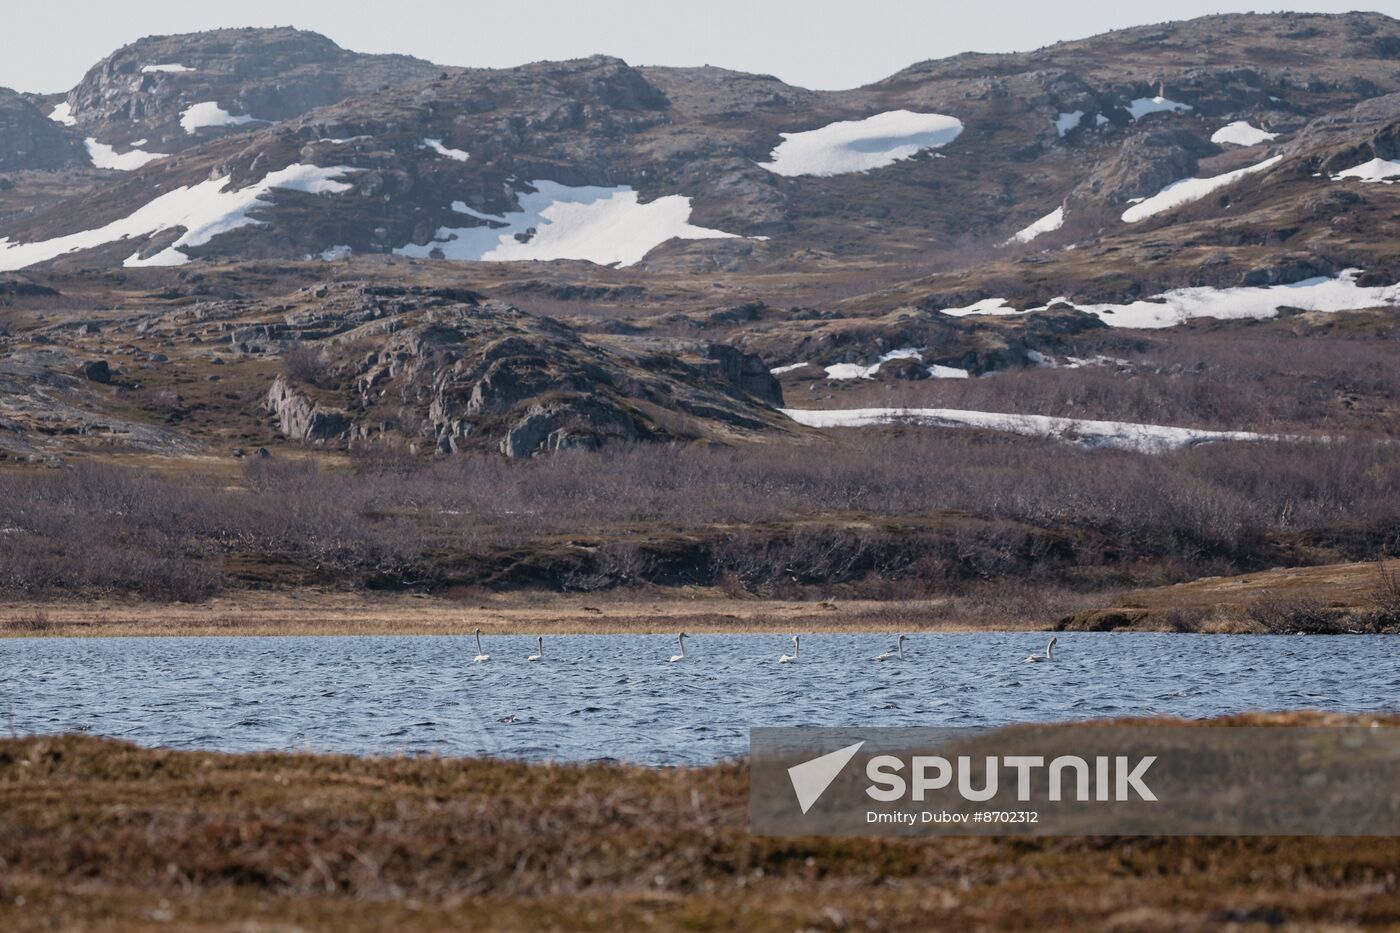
x,y
1346,598
699,610
102,835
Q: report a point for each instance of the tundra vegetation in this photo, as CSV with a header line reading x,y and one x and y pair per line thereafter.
x,y
107,835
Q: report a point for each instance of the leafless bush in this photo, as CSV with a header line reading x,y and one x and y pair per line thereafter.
x,y
899,513
35,623
305,365
1386,598
1292,615
1222,381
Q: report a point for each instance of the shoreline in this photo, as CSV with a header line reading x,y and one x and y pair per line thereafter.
x,y
310,614
1346,598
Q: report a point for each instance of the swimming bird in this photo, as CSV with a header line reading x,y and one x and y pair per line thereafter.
x,y
897,653
1049,654
796,650
539,654
681,656
480,655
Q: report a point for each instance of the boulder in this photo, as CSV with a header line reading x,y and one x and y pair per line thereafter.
x,y
97,371
303,420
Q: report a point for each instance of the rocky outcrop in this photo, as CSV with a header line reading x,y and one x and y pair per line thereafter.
x,y
440,371
747,372
301,419
575,424
30,140
1144,165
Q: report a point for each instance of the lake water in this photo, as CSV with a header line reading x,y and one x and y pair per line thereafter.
x,y
597,697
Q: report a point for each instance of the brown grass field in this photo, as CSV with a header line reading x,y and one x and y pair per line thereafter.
x,y
102,835
1359,595
325,613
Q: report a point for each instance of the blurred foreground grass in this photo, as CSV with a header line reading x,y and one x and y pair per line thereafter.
x,y
98,834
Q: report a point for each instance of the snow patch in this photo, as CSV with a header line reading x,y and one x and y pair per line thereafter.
x,y
1241,133
856,371
165,69
948,372
861,145
1121,435
791,367
104,156
1068,121
1371,172
1143,106
1243,302
63,113
203,211
336,252
993,307
209,113
1047,224
1190,189
436,145
593,223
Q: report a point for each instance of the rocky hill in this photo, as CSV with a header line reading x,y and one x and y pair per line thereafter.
x,y
363,366
30,140
166,94
687,168
609,230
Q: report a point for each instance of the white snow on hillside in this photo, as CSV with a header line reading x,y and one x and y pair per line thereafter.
x,y
209,113
1047,224
63,113
597,224
1068,121
991,307
948,372
1190,189
1243,302
791,367
856,371
1122,435
1372,171
1143,106
1241,133
861,145
104,156
204,211
437,146
171,68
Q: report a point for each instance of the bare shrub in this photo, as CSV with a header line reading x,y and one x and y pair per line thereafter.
x,y
305,365
1387,595
898,514
1292,615
35,623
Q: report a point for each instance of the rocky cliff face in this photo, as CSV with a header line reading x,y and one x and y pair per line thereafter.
x,y
440,371
30,140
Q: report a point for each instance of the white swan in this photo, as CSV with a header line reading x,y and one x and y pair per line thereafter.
x,y
796,650
539,654
681,656
897,653
480,655
1049,654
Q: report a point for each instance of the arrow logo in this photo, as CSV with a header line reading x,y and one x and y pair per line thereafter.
x,y
811,778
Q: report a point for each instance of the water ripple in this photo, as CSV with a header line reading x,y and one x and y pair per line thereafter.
x,y
616,697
